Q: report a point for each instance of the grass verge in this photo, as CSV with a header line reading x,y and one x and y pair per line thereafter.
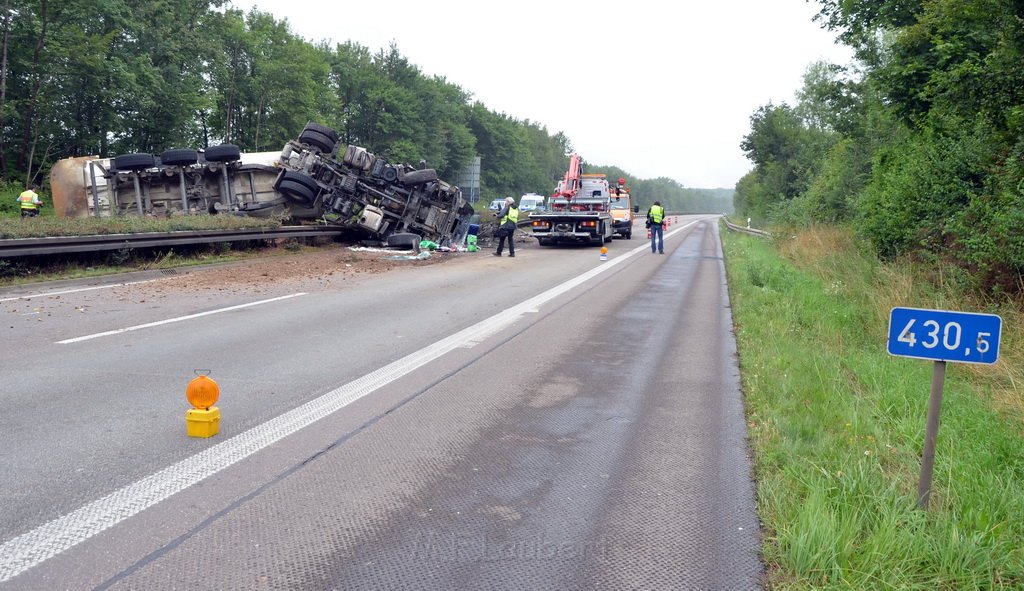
x,y
25,270
837,425
46,226
33,269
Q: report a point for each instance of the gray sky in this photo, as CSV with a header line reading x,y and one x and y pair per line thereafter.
x,y
657,88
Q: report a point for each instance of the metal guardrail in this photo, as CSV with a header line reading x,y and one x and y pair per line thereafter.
x,y
68,244
744,229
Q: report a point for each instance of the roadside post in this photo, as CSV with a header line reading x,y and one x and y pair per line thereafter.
x,y
941,336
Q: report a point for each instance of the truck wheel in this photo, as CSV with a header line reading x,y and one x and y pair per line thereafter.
x,y
323,130
300,178
183,157
405,240
418,177
134,161
223,153
316,139
299,186
629,235
300,193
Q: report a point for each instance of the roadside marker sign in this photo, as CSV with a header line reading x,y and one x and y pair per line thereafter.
x,y
941,336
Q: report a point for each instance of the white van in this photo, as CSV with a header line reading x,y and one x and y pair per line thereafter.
x,y
497,204
531,202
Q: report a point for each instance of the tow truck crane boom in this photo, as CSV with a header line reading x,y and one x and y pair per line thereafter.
x,y
570,185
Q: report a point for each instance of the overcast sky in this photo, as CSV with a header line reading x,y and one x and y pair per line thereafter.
x,y
658,88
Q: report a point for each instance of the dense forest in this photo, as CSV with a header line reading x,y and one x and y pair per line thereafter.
x,y
120,76
918,145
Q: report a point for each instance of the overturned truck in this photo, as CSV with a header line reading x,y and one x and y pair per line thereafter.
x,y
313,178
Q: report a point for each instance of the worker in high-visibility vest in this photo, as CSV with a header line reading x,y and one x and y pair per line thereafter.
x,y
655,218
507,219
30,203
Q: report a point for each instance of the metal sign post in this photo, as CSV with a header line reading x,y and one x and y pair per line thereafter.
x,y
931,433
941,336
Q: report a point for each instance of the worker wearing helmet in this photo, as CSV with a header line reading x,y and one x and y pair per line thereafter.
x,y
30,203
507,219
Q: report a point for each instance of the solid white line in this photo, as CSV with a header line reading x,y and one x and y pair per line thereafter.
x,y
50,539
66,291
178,319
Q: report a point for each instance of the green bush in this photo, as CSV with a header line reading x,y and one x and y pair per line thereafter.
x,y
918,186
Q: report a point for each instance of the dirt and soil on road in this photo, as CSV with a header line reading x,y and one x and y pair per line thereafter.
x,y
324,264
310,266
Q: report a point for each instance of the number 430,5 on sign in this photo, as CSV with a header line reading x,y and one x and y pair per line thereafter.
x,y
944,336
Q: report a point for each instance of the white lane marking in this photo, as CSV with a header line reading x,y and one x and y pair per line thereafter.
x,y
178,319
50,539
66,291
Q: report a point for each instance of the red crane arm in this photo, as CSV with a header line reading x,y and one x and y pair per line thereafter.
x,y
568,187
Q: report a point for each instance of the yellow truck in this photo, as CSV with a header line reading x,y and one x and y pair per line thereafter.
x,y
623,210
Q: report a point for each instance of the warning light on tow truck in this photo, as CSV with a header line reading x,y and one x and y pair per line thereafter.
x,y
203,420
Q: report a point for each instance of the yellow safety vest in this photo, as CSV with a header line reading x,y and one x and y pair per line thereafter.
x,y
657,213
513,215
28,199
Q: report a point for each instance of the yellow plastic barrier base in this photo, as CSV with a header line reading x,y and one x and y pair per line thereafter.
x,y
203,423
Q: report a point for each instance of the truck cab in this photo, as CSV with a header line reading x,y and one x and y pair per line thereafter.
x,y
623,210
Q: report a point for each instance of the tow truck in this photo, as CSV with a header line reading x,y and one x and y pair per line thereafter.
x,y
579,211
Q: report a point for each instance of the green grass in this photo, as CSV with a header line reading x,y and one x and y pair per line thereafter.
x,y
43,226
16,271
837,426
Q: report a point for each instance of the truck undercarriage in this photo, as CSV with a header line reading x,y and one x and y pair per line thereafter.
x,y
314,178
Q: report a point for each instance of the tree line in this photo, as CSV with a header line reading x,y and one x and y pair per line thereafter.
x,y
108,77
671,193
919,146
